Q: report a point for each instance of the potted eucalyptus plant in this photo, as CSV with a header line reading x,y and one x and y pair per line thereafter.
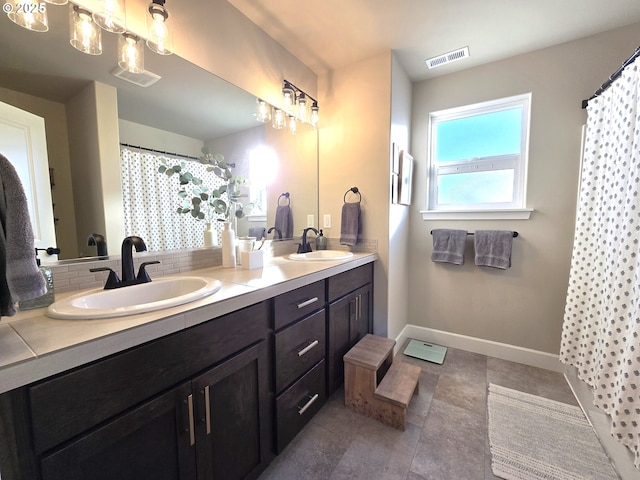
x,y
208,203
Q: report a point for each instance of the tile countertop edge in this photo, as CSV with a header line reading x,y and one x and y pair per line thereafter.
x,y
14,374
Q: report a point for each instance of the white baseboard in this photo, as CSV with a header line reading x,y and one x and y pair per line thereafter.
x,y
504,351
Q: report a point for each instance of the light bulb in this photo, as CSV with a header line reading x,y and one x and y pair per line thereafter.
x,y
28,14
263,113
303,108
159,38
278,119
110,15
289,98
315,114
131,53
293,125
84,34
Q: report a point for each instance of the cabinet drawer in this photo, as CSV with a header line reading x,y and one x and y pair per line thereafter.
x,y
298,303
349,281
69,404
299,347
297,405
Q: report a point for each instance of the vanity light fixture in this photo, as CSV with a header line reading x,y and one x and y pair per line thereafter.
x,y
131,53
300,104
84,34
279,119
263,111
28,14
159,33
289,97
111,15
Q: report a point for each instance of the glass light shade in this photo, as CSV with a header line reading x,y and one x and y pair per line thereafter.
x,y
28,14
110,15
289,98
292,124
84,34
263,111
159,31
131,53
303,108
315,114
57,2
279,119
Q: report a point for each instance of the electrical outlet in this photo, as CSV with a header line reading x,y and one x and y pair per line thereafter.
x,y
327,221
311,220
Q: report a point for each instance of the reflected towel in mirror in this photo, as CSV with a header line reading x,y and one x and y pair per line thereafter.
x,y
284,220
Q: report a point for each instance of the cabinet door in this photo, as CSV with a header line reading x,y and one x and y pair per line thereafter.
x,y
233,432
349,321
152,441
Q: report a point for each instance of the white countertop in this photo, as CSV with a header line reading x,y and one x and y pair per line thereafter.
x,y
34,346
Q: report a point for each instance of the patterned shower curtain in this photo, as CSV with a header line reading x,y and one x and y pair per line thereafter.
x,y
150,203
601,330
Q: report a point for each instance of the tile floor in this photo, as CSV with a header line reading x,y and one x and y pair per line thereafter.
x,y
446,435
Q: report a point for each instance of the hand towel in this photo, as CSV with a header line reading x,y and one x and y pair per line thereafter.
x,y
20,277
448,246
350,227
493,248
258,232
284,220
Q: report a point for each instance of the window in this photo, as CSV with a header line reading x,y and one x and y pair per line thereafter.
x,y
478,156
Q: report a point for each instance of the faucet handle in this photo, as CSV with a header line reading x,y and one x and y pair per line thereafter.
x,y
143,275
113,281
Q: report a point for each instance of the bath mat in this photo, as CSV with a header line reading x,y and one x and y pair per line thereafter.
x,y
426,351
533,438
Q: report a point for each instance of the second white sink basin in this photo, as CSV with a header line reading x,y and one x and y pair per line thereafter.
x,y
147,297
322,255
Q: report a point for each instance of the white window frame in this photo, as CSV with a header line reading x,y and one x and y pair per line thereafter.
x,y
519,162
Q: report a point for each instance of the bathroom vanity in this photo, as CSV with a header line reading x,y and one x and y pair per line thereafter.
x,y
218,397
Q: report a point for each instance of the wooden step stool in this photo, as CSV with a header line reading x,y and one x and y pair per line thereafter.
x,y
375,385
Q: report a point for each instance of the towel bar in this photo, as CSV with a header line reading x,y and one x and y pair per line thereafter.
x,y
354,190
515,234
286,196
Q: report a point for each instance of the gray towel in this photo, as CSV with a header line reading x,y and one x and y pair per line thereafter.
x,y
493,248
284,220
258,232
448,246
20,278
350,227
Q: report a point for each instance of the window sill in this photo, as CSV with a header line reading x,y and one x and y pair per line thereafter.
x,y
257,218
511,214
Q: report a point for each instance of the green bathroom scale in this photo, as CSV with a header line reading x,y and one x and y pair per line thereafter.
x,y
426,351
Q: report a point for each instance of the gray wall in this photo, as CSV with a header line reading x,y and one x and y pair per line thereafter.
x,y
522,306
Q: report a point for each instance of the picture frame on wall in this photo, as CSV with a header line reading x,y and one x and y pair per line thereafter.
x,y
405,178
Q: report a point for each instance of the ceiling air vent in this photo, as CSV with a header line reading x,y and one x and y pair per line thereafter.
x,y
447,58
141,79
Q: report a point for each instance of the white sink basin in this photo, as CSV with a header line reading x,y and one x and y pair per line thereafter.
x,y
321,255
147,297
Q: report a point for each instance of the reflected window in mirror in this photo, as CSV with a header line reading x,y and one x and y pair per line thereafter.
x,y
263,169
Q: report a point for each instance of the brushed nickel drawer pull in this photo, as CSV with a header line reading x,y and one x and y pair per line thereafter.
x,y
307,348
306,303
207,409
192,433
308,404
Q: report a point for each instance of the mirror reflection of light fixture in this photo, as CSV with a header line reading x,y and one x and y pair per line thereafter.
x,y
263,111
279,119
110,15
130,53
84,34
28,14
293,124
159,33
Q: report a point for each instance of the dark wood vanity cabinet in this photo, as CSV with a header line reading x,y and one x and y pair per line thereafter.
x,y
192,405
299,343
350,298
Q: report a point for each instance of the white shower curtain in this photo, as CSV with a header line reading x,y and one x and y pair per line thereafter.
x,y
601,330
150,203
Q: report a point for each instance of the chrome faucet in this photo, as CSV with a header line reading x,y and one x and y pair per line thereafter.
x,y
128,272
304,247
98,240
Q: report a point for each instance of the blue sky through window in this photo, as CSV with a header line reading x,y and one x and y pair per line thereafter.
x,y
489,134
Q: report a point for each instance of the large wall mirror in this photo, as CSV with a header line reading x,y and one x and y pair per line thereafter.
x,y
186,109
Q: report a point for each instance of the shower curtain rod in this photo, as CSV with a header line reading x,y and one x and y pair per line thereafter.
x,y
189,157
613,76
